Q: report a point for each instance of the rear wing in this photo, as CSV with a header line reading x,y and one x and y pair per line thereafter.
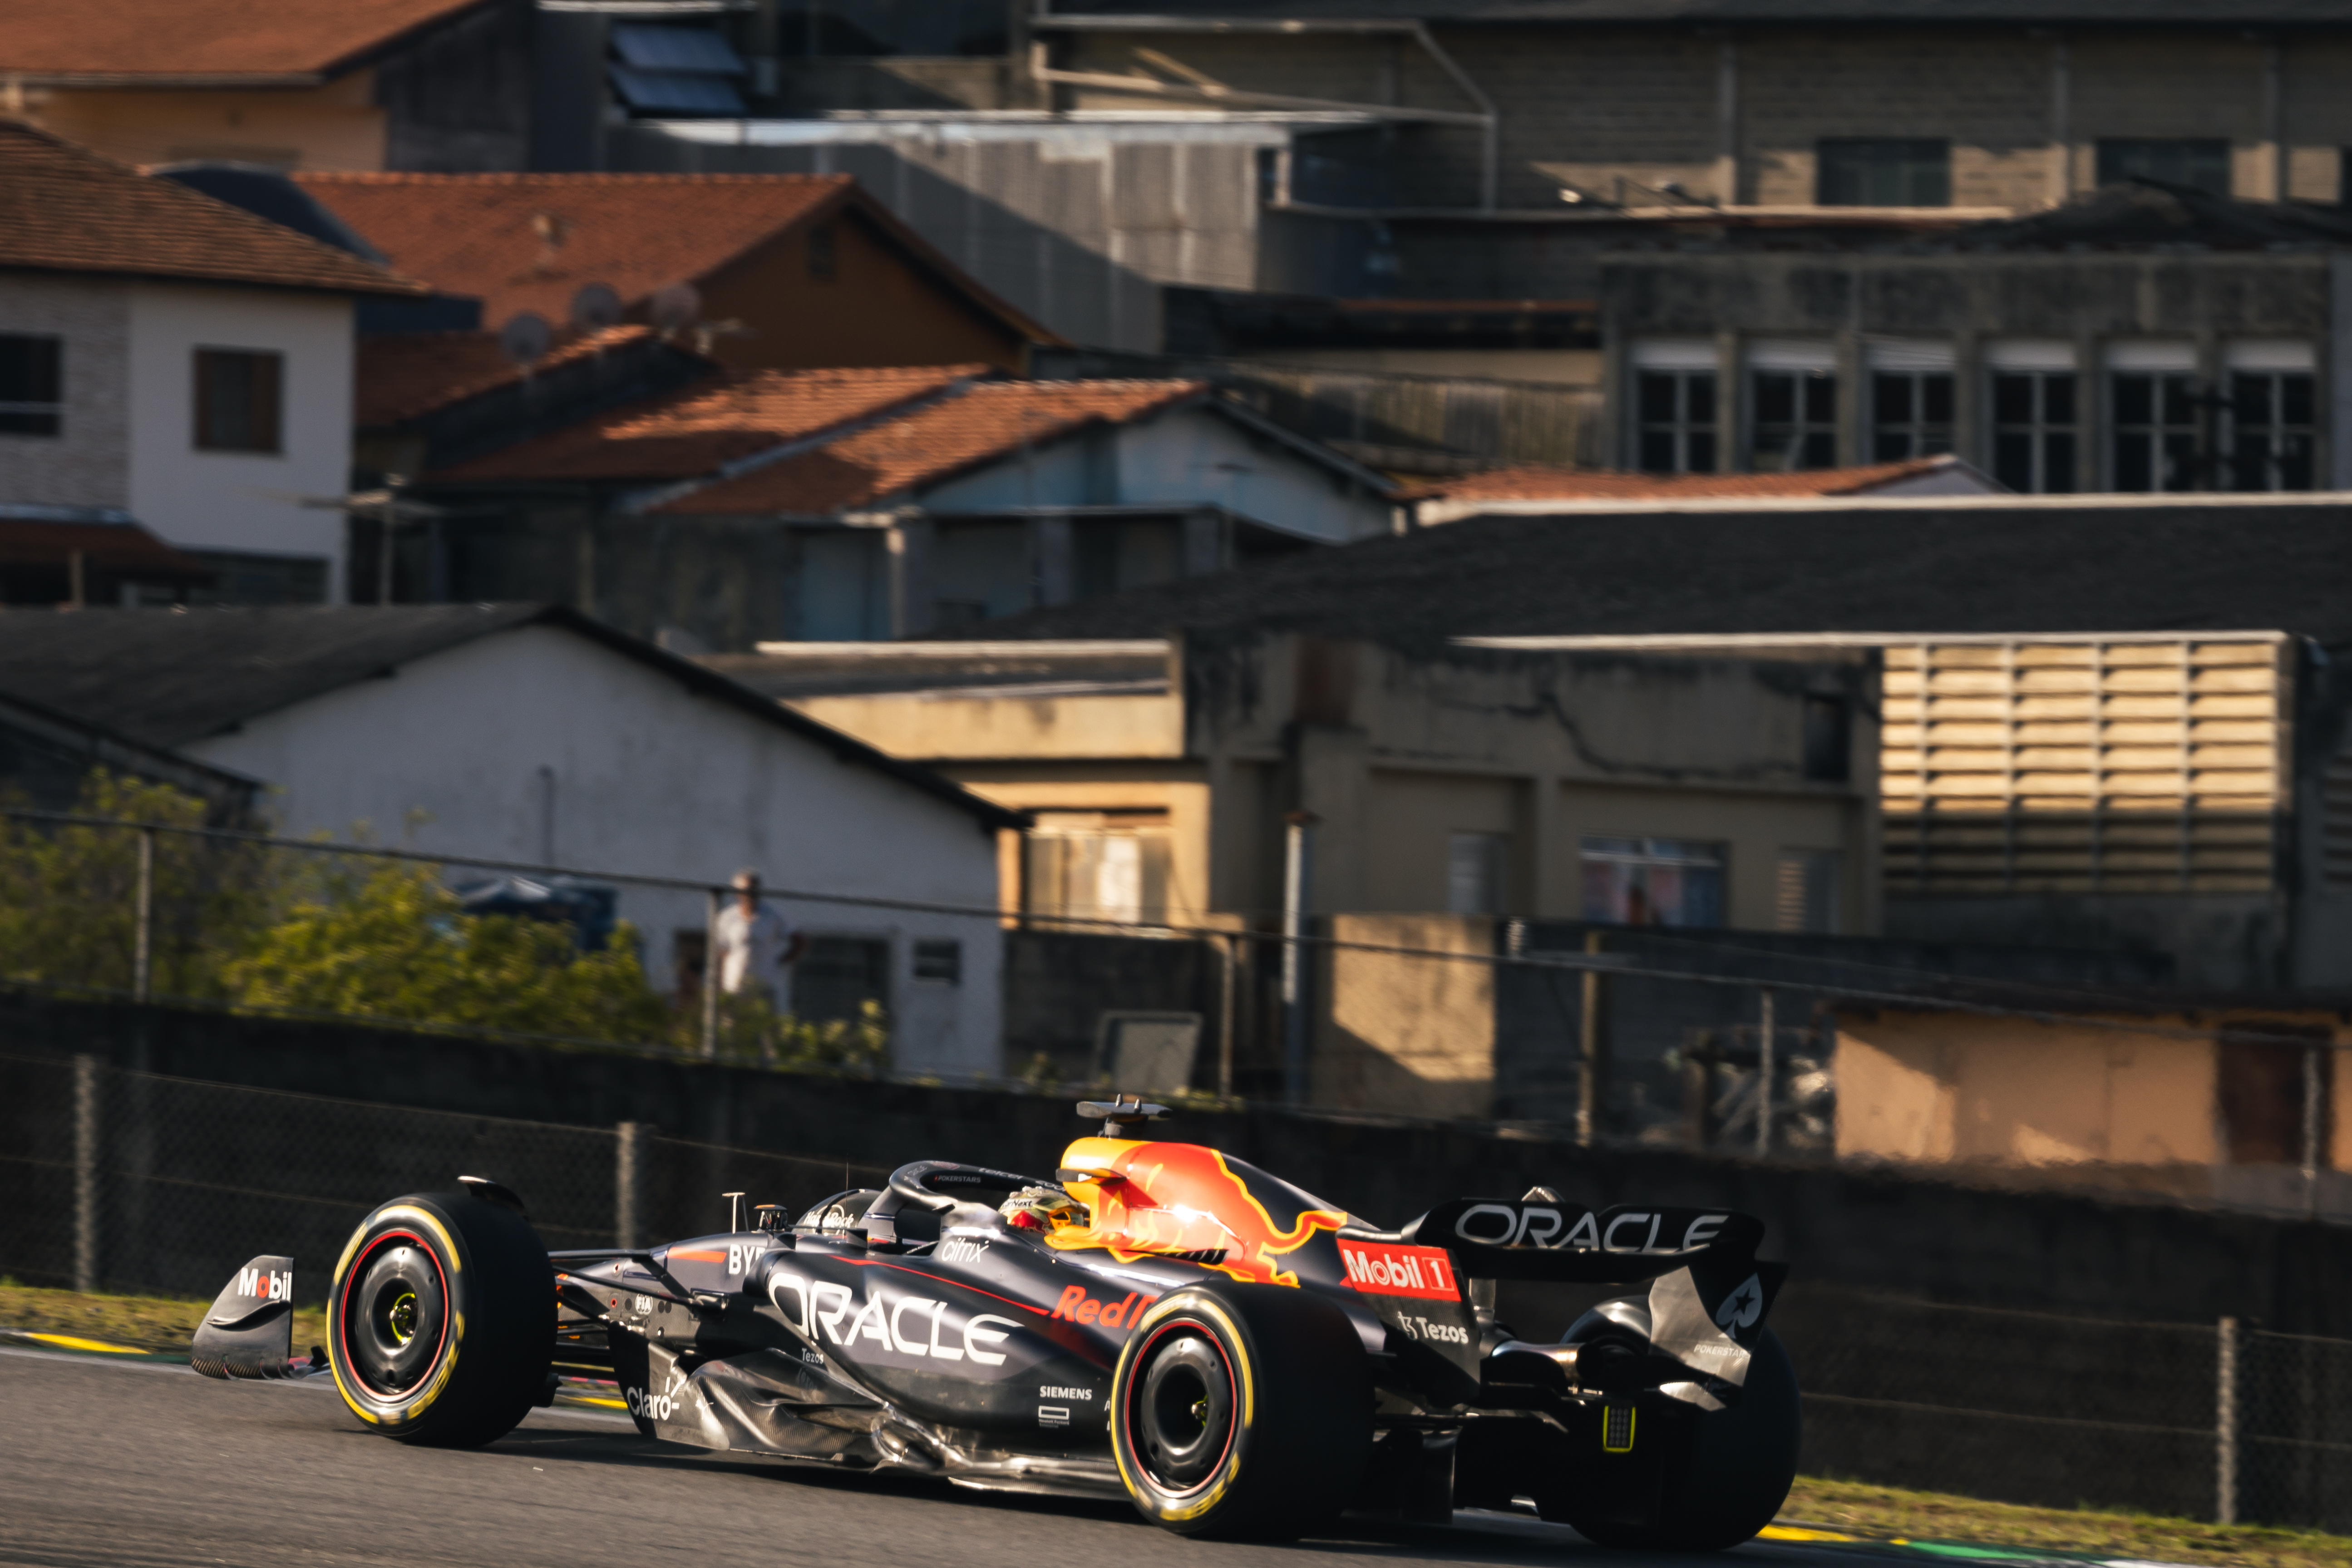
x,y
1533,1238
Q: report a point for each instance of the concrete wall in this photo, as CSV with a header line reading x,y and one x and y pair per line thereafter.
x,y
1864,1229
1406,1036
242,500
461,752
1944,1087
88,462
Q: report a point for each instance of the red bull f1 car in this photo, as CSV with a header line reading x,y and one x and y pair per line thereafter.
x,y
1159,1321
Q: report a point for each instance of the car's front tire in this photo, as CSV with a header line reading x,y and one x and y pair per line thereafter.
x,y
1242,1411
441,1321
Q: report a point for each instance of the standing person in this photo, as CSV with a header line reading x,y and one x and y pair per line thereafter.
x,y
757,946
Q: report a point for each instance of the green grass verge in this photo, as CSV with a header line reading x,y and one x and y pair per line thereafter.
x,y
148,1323
1934,1516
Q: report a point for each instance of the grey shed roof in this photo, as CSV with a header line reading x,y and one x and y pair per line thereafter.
x,y
1842,13
2098,564
169,678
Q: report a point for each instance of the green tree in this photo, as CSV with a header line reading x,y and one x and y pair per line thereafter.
x,y
391,942
69,894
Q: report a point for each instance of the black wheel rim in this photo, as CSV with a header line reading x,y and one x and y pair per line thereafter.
x,y
1181,1411
394,1315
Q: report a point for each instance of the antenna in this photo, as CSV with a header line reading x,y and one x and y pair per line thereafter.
x,y
525,337
595,307
675,306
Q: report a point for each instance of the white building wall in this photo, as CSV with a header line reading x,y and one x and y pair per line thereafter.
x,y
445,756
84,464
241,500
1187,457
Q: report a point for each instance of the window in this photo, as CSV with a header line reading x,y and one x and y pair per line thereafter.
x,y
2272,423
1473,874
32,384
2157,423
823,254
2203,162
940,961
237,400
1805,891
2034,418
837,976
1793,417
1674,406
1098,866
1829,738
1884,171
1910,401
1653,881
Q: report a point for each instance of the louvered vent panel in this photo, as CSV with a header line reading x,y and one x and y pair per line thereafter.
x,y
2081,767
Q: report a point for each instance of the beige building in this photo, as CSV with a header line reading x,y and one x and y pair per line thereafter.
x,y
1710,791
2146,1099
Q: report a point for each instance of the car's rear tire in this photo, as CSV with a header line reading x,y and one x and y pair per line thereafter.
x,y
441,1321
1242,1411
1736,1473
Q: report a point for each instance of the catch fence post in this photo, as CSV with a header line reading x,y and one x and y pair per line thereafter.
x,y
2226,1416
1297,883
632,1178
143,942
1228,1010
86,1086
710,979
1589,1080
2313,1081
1764,1067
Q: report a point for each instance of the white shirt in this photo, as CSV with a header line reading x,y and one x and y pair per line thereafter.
x,y
752,950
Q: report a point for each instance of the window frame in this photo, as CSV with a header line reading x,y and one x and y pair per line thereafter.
x,y
1922,435
1680,429
36,412
2234,428
1643,854
2169,439
2110,152
1909,156
265,396
1807,433
2038,429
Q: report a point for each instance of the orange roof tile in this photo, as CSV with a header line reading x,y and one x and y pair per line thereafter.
x,y
65,209
697,431
119,547
934,443
1537,482
189,41
480,234
404,375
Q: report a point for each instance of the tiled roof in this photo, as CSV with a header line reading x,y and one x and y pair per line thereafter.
x,y
696,432
934,443
65,209
482,234
191,41
404,376
1535,482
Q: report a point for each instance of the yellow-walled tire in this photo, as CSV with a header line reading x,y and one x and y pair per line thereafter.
x,y
441,1321
1242,1411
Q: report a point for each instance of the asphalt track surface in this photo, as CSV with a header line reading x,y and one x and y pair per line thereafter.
x,y
131,1463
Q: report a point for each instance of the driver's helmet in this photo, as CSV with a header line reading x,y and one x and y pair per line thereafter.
x,y
1043,1208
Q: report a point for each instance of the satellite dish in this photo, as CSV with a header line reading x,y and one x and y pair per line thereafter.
x,y
525,337
674,305
595,307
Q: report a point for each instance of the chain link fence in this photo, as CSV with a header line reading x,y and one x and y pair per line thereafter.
x,y
138,1182
135,1182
